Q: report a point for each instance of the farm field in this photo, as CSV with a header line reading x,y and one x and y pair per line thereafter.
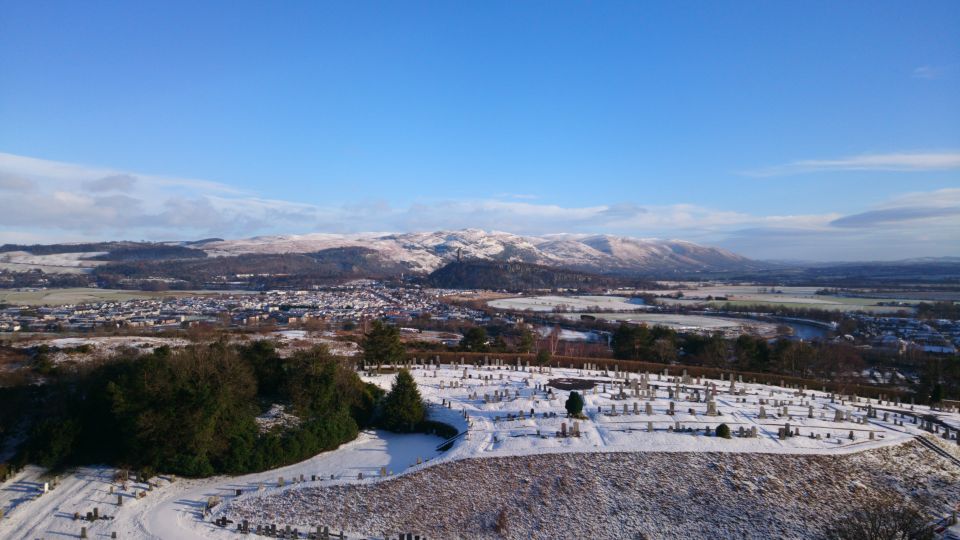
x,y
797,297
60,263
87,295
679,321
568,303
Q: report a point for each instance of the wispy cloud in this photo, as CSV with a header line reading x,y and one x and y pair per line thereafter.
x,y
889,216
900,161
931,72
519,196
942,206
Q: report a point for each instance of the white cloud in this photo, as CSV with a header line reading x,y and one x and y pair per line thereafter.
x,y
902,161
115,182
64,202
12,182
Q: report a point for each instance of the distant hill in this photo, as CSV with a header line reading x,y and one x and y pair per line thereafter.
x,y
256,270
525,262
425,252
516,276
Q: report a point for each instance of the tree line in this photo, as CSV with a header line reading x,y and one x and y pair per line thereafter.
x,y
192,411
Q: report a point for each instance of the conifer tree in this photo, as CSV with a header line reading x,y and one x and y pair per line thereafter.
x,y
403,407
574,404
381,345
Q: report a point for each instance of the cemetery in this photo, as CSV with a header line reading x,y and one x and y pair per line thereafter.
x,y
638,436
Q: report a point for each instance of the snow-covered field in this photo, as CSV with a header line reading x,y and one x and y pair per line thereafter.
x,y
799,297
101,346
489,400
569,303
62,263
679,321
294,340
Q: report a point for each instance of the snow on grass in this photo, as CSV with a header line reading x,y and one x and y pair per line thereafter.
x,y
57,263
294,340
679,321
174,510
617,496
101,346
570,303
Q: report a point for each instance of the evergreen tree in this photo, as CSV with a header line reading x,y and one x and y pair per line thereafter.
x,y
381,345
527,341
936,396
403,407
574,404
474,340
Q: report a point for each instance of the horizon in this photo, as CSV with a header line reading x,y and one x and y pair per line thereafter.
x,y
771,131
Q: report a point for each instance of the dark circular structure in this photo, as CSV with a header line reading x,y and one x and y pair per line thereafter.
x,y
572,384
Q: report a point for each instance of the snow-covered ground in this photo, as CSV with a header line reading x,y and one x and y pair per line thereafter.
x,y
101,346
568,303
58,263
293,340
495,430
174,510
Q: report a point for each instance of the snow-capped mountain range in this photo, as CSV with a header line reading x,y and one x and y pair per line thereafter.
x,y
428,251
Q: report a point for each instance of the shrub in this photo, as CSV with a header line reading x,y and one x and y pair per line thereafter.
x,y
574,404
723,430
882,518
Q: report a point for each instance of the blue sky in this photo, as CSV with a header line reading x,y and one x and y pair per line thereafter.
x,y
805,130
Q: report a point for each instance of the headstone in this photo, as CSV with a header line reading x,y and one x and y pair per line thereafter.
x,y
711,408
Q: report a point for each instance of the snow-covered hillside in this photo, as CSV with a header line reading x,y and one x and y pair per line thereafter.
x,y
427,251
